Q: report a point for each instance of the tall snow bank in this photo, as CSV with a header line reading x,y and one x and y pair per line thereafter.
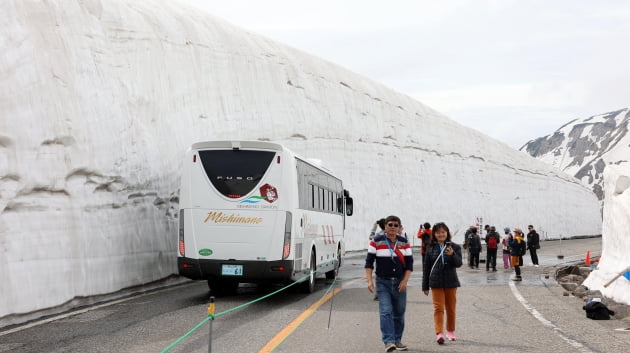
x,y
615,236
100,99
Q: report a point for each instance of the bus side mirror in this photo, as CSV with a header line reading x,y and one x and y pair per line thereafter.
x,y
349,206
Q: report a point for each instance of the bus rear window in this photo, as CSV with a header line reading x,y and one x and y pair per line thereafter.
x,y
234,173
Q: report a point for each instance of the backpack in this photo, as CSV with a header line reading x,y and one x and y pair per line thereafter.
x,y
423,241
597,311
492,242
471,242
523,248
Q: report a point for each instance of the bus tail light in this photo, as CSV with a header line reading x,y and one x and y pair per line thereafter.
x,y
286,248
182,245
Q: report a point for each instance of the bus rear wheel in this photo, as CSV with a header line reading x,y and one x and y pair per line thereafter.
x,y
334,272
308,286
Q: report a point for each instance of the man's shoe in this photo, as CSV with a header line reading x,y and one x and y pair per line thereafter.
x,y
536,265
390,347
517,278
439,338
400,346
450,335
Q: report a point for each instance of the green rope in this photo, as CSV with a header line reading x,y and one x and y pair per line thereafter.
x,y
212,317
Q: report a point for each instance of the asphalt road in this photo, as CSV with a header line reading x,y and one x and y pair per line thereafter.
x,y
494,314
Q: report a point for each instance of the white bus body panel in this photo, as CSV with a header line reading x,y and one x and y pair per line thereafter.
x,y
248,231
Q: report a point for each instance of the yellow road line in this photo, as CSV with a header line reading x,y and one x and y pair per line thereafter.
x,y
284,333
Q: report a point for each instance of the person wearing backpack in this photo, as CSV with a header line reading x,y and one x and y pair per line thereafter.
x,y
425,237
492,241
506,249
518,248
380,224
474,248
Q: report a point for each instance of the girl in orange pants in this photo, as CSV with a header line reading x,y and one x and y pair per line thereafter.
x,y
439,275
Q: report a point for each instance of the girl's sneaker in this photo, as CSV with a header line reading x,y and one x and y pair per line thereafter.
x,y
440,338
450,335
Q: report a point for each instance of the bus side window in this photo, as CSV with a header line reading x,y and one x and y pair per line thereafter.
x,y
346,196
349,206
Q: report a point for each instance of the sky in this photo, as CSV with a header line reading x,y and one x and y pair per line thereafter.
x,y
514,70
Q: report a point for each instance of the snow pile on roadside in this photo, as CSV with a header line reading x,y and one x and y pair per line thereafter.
x,y
615,239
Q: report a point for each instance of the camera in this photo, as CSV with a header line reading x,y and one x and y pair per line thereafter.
x,y
448,244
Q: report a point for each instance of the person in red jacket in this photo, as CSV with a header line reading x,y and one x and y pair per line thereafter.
x,y
424,234
492,242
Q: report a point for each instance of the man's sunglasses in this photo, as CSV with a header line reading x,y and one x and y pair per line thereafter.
x,y
395,225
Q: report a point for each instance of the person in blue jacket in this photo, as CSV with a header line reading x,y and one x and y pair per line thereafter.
x,y
518,248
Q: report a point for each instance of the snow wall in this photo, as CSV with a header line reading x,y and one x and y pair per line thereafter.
x,y
100,99
615,236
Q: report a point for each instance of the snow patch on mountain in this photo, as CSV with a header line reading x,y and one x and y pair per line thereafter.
x,y
583,148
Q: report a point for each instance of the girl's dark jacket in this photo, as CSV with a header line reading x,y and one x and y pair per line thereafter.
x,y
444,274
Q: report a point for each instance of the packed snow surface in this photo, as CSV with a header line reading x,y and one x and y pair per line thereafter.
x,y
615,240
100,100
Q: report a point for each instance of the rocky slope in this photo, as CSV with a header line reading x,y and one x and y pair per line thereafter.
x,y
583,148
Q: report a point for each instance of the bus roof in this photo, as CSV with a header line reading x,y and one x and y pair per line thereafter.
x,y
237,145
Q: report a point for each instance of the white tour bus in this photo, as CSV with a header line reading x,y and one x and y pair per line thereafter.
x,y
253,211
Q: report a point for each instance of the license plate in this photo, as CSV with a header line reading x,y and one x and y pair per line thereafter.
x,y
232,270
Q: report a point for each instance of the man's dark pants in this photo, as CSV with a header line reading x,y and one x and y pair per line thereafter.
x,y
491,259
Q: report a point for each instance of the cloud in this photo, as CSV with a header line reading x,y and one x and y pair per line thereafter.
x,y
546,94
532,64
513,113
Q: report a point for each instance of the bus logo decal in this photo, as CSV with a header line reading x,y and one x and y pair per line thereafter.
x,y
270,193
205,252
219,217
253,199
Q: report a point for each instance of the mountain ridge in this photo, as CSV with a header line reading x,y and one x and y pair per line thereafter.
x,y
583,147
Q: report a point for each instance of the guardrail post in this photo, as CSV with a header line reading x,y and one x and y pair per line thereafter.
x,y
210,312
